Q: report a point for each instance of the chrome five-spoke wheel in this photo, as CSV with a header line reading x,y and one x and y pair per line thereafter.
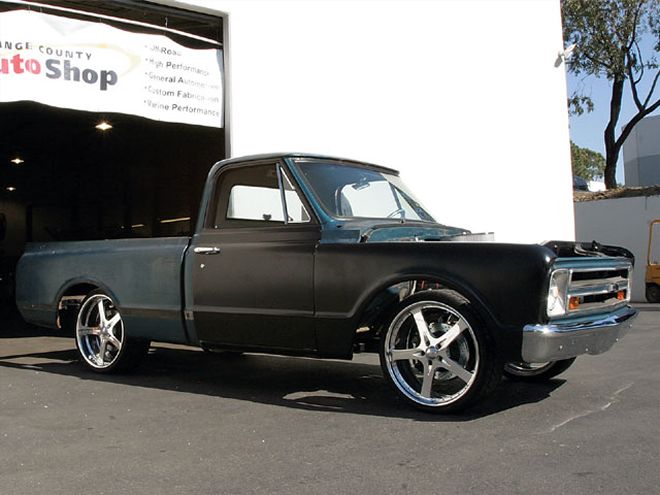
x,y
101,338
433,352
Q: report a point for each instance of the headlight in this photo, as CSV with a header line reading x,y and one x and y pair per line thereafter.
x,y
557,293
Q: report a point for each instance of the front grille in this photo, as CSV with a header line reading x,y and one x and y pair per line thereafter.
x,y
600,274
596,284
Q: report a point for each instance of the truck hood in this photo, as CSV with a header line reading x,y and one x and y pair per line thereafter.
x,y
367,231
418,233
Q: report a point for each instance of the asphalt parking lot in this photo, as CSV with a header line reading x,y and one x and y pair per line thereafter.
x,y
188,422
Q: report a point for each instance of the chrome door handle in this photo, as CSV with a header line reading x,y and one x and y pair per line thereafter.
x,y
207,250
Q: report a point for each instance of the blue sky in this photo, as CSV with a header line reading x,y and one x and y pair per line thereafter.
x,y
587,129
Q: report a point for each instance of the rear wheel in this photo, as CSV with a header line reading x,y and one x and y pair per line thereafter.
x,y
101,337
536,372
437,353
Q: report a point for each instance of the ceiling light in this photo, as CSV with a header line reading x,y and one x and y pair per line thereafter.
x,y
175,220
17,161
137,226
11,189
103,126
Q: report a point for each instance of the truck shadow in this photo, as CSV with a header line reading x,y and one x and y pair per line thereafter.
x,y
300,383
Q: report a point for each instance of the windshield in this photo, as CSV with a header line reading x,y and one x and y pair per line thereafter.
x,y
347,191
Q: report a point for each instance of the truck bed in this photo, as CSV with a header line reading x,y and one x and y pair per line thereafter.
x,y
144,277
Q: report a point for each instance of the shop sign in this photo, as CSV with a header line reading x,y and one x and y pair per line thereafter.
x,y
94,67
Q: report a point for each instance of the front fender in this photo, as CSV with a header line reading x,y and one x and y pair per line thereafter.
x,y
508,282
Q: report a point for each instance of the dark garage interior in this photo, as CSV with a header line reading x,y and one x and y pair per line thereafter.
x,y
62,178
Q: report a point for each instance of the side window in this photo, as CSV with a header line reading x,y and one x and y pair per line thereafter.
x,y
251,196
255,203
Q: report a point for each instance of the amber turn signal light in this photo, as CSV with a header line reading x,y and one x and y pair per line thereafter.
x,y
574,303
621,295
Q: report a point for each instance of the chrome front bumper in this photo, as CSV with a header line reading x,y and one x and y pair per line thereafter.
x,y
569,338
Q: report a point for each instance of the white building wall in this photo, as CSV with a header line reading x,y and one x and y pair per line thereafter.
x,y
465,98
622,222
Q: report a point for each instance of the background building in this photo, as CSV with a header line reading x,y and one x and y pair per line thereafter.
x,y
641,153
91,144
467,99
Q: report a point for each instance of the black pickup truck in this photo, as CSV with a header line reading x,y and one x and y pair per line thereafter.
x,y
317,256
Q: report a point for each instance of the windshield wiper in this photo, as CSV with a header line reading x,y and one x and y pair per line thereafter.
x,y
398,211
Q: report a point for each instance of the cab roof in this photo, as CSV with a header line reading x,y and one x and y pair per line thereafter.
x,y
296,155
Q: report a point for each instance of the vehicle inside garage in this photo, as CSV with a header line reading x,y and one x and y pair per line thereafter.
x,y
70,174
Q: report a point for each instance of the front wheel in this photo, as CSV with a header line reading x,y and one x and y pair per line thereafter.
x,y
437,354
536,372
101,337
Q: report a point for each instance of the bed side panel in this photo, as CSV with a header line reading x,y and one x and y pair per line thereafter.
x,y
142,275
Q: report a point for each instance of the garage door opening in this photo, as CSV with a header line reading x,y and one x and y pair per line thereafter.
x,y
75,173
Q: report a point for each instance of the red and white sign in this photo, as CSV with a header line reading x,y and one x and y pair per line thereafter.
x,y
90,66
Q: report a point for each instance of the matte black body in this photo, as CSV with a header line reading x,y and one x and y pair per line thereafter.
x,y
508,283
291,289
259,291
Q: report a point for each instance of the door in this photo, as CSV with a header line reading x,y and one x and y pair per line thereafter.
x,y
254,263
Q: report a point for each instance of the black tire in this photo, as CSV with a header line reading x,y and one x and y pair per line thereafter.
x,y
449,363
532,372
102,341
653,293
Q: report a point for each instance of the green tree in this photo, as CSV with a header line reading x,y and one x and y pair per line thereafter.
x,y
607,35
588,164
